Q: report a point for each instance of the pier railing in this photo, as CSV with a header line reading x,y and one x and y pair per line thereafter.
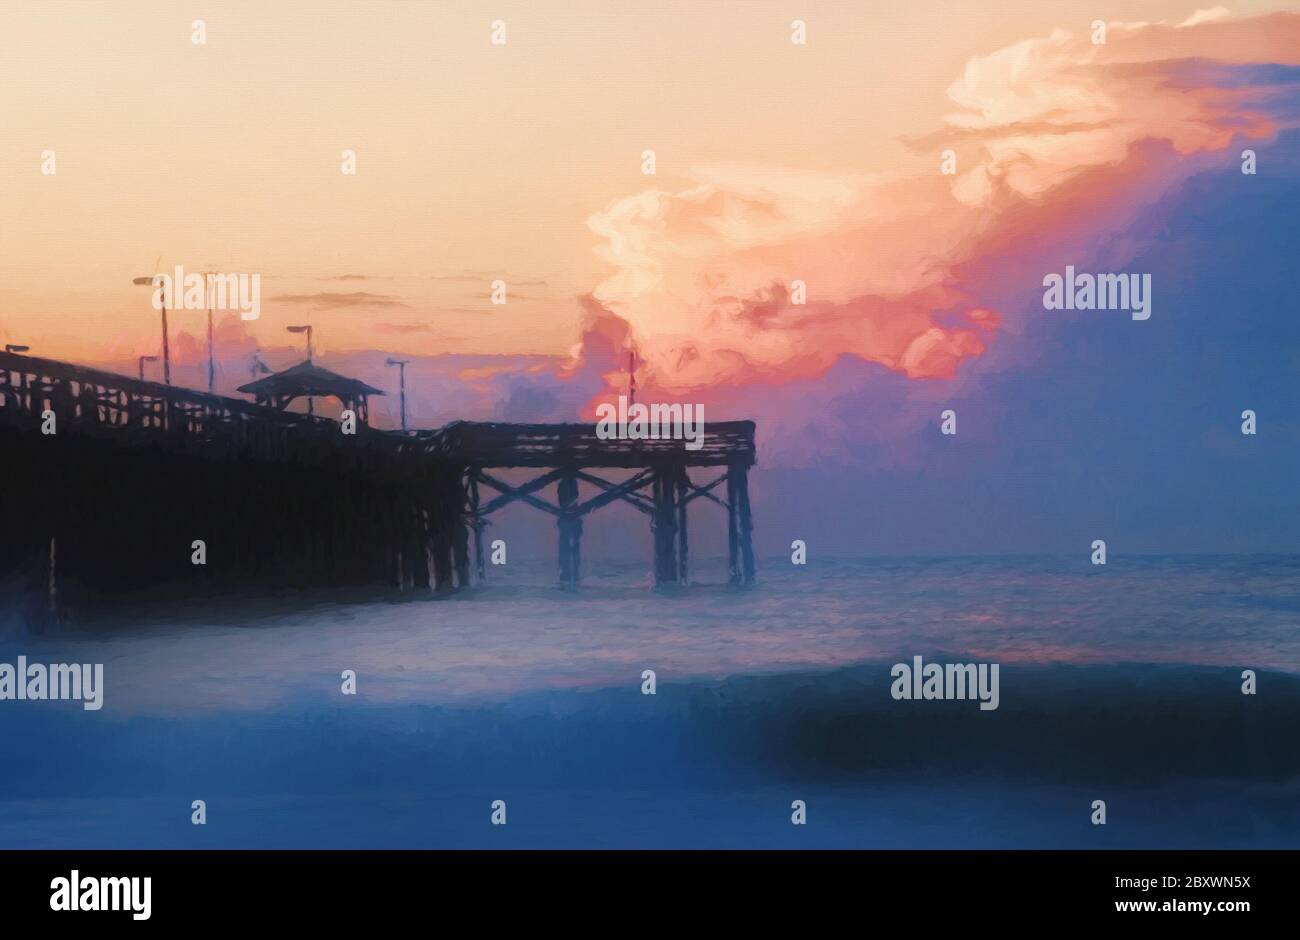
x,y
97,401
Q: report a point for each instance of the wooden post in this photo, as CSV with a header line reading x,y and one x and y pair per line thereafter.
x,y
460,551
390,538
52,586
418,564
746,525
734,484
570,525
42,596
480,570
664,525
683,487
440,541
442,563
455,518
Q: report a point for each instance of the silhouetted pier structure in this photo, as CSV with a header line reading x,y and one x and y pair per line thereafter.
x,y
305,380
107,482
660,487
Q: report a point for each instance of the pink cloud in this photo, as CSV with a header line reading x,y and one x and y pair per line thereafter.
x,y
1057,140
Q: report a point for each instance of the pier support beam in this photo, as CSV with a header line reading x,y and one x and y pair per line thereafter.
x,y
418,557
460,553
740,526
443,540
442,564
663,524
480,569
683,550
44,611
570,525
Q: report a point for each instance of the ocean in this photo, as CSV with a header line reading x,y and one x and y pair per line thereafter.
x,y
1119,683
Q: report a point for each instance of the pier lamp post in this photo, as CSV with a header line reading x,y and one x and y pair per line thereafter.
x,y
401,373
311,406
208,288
16,348
150,281
303,329
143,360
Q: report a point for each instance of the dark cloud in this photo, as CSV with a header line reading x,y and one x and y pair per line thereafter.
x,y
476,277
336,301
403,328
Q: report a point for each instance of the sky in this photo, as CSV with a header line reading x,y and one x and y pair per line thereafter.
x,y
775,162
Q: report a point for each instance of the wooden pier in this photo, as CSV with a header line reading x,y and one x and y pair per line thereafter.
x,y
660,485
106,481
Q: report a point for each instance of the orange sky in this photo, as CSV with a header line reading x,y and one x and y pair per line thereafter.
x,y
475,161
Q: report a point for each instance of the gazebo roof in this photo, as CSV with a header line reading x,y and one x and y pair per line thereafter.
x,y
306,378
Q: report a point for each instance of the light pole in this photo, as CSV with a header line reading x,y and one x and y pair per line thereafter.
x,y
401,378
311,406
152,280
303,329
207,302
143,360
